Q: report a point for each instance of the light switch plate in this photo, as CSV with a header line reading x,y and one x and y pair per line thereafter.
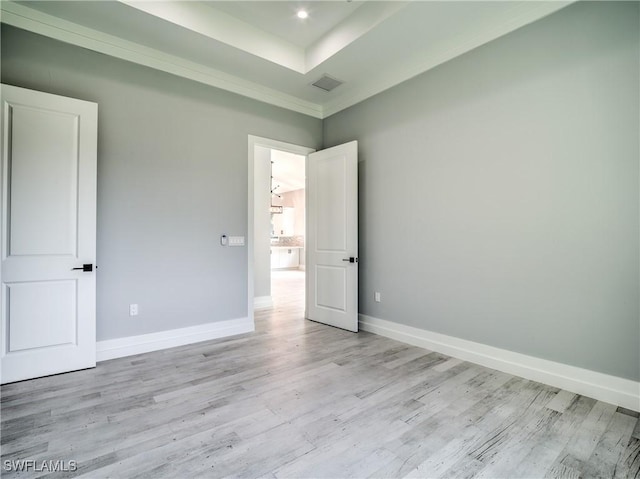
x,y
236,240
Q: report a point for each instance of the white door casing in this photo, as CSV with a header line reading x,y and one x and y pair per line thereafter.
x,y
48,205
254,212
332,236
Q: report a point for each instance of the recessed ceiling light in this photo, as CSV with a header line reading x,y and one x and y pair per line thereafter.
x,y
302,14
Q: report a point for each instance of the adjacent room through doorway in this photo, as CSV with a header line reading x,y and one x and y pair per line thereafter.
x,y
303,213
287,223
279,227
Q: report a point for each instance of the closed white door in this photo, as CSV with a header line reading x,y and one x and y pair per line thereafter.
x,y
332,236
48,204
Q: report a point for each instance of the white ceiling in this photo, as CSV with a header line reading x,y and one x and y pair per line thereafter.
x,y
261,50
288,171
279,17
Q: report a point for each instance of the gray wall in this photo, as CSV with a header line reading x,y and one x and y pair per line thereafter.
x,y
499,192
172,177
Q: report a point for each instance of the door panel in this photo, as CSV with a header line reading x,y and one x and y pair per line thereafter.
x,y
331,196
331,285
48,199
332,236
37,134
48,307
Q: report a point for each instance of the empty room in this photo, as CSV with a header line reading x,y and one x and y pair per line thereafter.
x,y
320,239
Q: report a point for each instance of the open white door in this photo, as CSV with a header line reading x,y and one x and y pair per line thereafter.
x,y
48,205
332,236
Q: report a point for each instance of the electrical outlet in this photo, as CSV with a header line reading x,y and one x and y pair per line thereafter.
x,y
133,310
377,297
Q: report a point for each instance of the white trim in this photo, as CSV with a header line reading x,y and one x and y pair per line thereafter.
x,y
69,32
600,386
262,302
520,15
121,347
35,21
368,16
224,28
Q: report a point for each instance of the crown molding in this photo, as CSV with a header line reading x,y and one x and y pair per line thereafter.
x,y
32,20
513,19
68,32
366,18
224,28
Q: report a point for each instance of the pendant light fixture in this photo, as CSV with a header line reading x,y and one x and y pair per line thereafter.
x,y
277,209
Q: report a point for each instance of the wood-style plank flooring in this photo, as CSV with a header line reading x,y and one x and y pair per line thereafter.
x,y
299,399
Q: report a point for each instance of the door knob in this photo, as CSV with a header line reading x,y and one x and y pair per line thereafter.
x,y
85,267
351,259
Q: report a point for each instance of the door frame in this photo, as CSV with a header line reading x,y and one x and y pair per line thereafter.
x,y
254,141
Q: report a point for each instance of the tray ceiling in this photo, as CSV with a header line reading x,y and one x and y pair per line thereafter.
x,y
260,49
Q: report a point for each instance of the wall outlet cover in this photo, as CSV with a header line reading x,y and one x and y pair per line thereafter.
x,y
236,240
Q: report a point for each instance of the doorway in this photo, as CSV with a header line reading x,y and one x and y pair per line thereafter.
x,y
277,203
330,237
287,227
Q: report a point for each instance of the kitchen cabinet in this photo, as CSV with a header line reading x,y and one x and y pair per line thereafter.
x,y
283,257
284,223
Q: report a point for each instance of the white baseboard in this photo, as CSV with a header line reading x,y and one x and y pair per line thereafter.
x,y
302,267
600,386
260,302
121,347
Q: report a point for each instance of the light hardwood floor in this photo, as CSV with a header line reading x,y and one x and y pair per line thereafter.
x,y
299,399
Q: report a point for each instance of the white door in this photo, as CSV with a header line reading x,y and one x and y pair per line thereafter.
x,y
332,236
48,204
